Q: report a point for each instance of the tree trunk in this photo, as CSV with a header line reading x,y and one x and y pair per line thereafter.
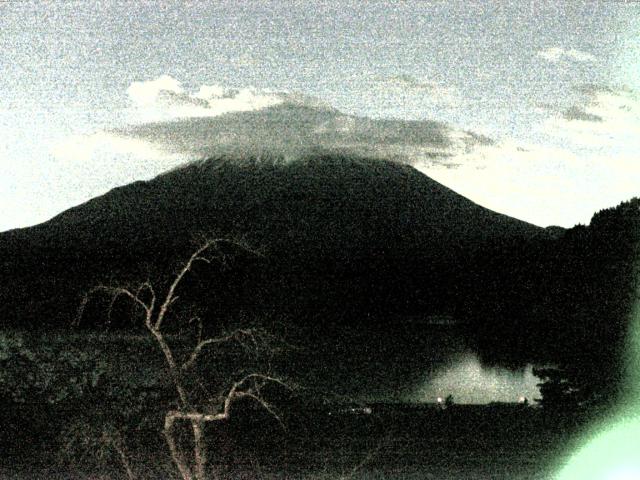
x,y
199,449
176,455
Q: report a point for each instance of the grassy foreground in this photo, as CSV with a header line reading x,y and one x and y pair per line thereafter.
x,y
76,404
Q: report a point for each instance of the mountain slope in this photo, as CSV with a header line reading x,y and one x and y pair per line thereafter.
x,y
327,220
251,194
359,257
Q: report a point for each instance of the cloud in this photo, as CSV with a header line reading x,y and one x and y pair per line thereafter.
x,y
532,182
409,82
297,124
446,95
164,99
595,88
548,182
556,54
604,117
170,127
166,119
146,93
585,159
79,148
579,113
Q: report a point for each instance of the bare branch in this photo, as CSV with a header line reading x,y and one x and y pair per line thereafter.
x,y
172,416
170,298
115,292
202,259
171,363
266,378
192,466
264,405
115,440
147,286
199,450
200,345
197,350
235,392
176,454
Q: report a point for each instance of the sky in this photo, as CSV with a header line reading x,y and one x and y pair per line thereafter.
x,y
530,108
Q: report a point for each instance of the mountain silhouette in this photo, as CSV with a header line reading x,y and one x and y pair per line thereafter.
x,y
355,254
323,214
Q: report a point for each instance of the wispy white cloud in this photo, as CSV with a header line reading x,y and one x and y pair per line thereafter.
x,y
605,117
164,98
80,148
588,159
556,54
170,126
147,92
435,92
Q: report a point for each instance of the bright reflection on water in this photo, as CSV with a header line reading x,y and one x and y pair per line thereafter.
x,y
468,381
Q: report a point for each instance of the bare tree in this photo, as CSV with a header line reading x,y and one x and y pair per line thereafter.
x,y
155,308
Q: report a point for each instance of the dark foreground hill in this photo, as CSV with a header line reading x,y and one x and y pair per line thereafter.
x,y
358,256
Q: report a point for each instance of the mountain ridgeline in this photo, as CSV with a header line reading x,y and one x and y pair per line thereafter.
x,y
346,244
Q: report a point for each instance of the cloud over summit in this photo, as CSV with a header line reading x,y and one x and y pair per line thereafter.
x,y
541,182
217,120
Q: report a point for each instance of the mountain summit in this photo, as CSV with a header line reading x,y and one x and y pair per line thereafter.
x,y
262,195
350,218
